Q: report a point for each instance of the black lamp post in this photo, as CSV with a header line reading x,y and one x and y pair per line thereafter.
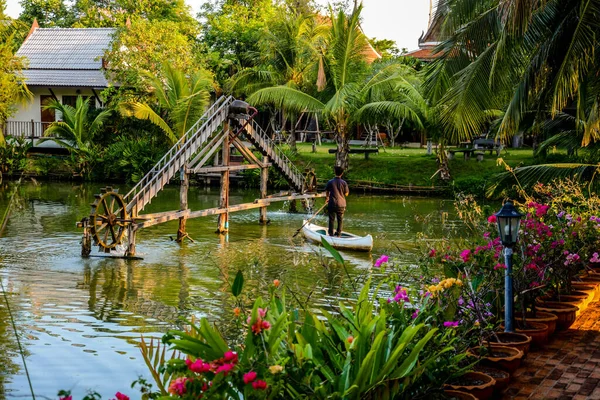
x,y
509,220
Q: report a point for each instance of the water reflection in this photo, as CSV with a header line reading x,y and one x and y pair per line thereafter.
x,y
81,318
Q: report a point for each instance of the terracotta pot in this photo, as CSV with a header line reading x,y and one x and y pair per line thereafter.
x,y
566,313
455,394
478,384
510,339
537,330
540,316
500,357
502,377
584,296
564,299
590,288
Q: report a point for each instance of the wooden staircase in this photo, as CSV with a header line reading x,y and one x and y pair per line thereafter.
x,y
170,164
255,134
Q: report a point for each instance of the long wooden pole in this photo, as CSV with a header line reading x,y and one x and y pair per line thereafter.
x,y
310,219
223,223
183,203
264,180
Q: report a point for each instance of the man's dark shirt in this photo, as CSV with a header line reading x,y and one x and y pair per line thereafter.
x,y
337,188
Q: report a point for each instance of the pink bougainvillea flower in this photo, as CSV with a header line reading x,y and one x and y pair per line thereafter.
x,y
492,219
69,397
381,260
121,396
225,369
178,386
595,258
230,356
198,366
451,324
499,266
249,377
259,385
465,254
432,253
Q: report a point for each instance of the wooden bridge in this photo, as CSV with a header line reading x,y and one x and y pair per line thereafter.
x,y
115,219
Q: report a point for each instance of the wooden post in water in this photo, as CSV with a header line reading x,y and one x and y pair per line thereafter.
x,y
264,179
183,202
223,224
131,232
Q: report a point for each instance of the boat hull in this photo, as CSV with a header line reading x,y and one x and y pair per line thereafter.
x,y
348,241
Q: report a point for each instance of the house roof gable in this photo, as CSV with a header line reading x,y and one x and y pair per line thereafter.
x,y
66,48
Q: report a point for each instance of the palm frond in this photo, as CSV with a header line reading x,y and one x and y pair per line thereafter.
x,y
545,173
385,110
286,98
144,111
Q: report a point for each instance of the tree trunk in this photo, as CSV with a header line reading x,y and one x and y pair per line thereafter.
x,y
343,147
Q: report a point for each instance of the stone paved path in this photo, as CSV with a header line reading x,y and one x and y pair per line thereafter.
x,y
568,367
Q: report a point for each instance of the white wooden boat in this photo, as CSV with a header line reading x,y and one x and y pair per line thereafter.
x,y
347,241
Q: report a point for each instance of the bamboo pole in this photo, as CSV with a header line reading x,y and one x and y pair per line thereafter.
x,y
183,203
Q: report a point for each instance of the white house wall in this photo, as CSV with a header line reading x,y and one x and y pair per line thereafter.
x,y
32,111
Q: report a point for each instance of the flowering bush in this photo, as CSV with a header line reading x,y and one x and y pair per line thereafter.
x,y
366,353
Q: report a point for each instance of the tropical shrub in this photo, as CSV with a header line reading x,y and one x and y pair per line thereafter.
x,y
130,159
13,156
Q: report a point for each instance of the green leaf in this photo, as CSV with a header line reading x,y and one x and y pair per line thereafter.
x,y
411,360
336,255
238,284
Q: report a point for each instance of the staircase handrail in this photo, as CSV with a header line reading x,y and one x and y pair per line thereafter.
x,y
297,175
178,147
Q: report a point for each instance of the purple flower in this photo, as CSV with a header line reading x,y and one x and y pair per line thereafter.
x,y
381,260
415,314
451,324
560,214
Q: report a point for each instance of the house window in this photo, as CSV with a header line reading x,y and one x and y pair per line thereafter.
x,y
72,101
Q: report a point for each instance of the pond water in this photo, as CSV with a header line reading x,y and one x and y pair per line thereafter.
x,y
79,319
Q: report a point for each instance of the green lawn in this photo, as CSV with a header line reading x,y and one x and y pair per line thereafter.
x,y
406,166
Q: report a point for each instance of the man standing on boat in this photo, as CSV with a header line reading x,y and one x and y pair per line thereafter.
x,y
336,192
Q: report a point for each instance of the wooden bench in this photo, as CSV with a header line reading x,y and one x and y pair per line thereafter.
x,y
466,152
365,151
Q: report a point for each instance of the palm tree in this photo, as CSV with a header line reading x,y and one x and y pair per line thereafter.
x,y
180,101
508,59
346,68
291,56
76,131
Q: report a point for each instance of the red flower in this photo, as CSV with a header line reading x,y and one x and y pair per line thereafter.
x,y
249,377
230,356
259,385
121,396
225,368
492,219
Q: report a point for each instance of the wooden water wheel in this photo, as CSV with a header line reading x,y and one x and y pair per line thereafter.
x,y
108,219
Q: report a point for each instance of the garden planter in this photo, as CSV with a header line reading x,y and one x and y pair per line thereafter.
x,y
584,296
563,299
509,339
455,394
540,316
566,313
587,287
478,384
502,377
536,330
499,357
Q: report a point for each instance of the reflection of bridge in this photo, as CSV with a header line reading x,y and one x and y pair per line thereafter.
x,y
115,218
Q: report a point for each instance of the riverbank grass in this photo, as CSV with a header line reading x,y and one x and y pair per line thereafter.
x,y
410,166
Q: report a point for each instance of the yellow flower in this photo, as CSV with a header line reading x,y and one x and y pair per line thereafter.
x,y
275,369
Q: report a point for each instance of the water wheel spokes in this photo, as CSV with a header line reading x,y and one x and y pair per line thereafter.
x,y
108,219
